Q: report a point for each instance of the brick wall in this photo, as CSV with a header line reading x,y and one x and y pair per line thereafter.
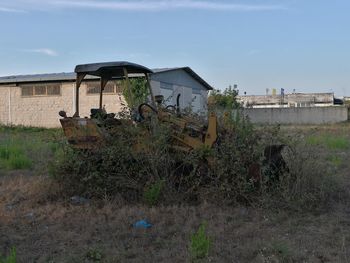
x,y
4,100
43,111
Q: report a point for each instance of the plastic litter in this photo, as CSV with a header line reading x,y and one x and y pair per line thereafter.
x,y
78,200
142,224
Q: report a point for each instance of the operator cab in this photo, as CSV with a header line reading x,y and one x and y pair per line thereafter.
x,y
89,133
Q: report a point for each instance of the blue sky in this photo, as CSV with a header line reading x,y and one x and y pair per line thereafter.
x,y
257,44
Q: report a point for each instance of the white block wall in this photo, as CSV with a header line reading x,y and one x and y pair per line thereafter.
x,y
43,111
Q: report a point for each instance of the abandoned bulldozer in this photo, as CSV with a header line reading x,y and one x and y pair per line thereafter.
x,y
187,133
90,133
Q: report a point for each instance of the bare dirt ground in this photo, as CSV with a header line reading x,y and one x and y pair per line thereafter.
x,y
45,228
45,231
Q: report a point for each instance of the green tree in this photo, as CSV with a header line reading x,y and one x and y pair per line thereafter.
x,y
226,100
137,93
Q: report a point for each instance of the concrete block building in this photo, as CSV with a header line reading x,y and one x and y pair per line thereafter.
x,y
294,100
35,100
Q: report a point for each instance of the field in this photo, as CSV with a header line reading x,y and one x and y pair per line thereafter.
x,y
45,227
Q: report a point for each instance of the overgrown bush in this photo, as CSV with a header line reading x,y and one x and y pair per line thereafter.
x,y
309,183
239,149
122,167
139,165
133,164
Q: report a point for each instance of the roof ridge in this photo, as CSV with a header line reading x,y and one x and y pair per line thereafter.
x,y
67,76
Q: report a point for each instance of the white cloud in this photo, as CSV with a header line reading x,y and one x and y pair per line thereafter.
x,y
141,5
11,10
44,51
164,5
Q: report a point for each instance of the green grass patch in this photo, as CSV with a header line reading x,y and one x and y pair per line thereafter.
x,y
329,141
19,162
10,258
94,255
314,140
21,129
7,150
152,193
28,147
335,160
200,243
12,157
279,251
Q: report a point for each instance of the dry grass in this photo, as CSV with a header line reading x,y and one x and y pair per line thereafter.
x,y
46,228
46,231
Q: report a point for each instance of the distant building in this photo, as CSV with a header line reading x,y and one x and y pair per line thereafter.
x,y
35,100
287,100
170,82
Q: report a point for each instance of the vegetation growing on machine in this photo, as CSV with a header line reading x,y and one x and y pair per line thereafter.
x,y
139,91
157,153
91,133
228,174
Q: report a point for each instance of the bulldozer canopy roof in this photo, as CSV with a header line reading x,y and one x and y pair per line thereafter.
x,y
111,69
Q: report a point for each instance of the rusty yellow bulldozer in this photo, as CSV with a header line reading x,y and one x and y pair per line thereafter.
x,y
91,133
187,133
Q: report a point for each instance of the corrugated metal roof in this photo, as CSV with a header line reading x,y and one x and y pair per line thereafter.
x,y
70,76
189,71
37,77
160,70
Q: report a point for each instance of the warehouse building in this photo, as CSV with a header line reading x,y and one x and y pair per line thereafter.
x,y
296,100
35,100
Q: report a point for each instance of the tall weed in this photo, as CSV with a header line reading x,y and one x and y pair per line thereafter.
x,y
9,259
309,183
152,192
200,243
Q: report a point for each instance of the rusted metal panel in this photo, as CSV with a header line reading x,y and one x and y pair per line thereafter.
x,y
82,133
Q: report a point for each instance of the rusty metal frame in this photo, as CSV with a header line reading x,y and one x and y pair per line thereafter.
x,y
79,80
150,90
103,83
128,87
